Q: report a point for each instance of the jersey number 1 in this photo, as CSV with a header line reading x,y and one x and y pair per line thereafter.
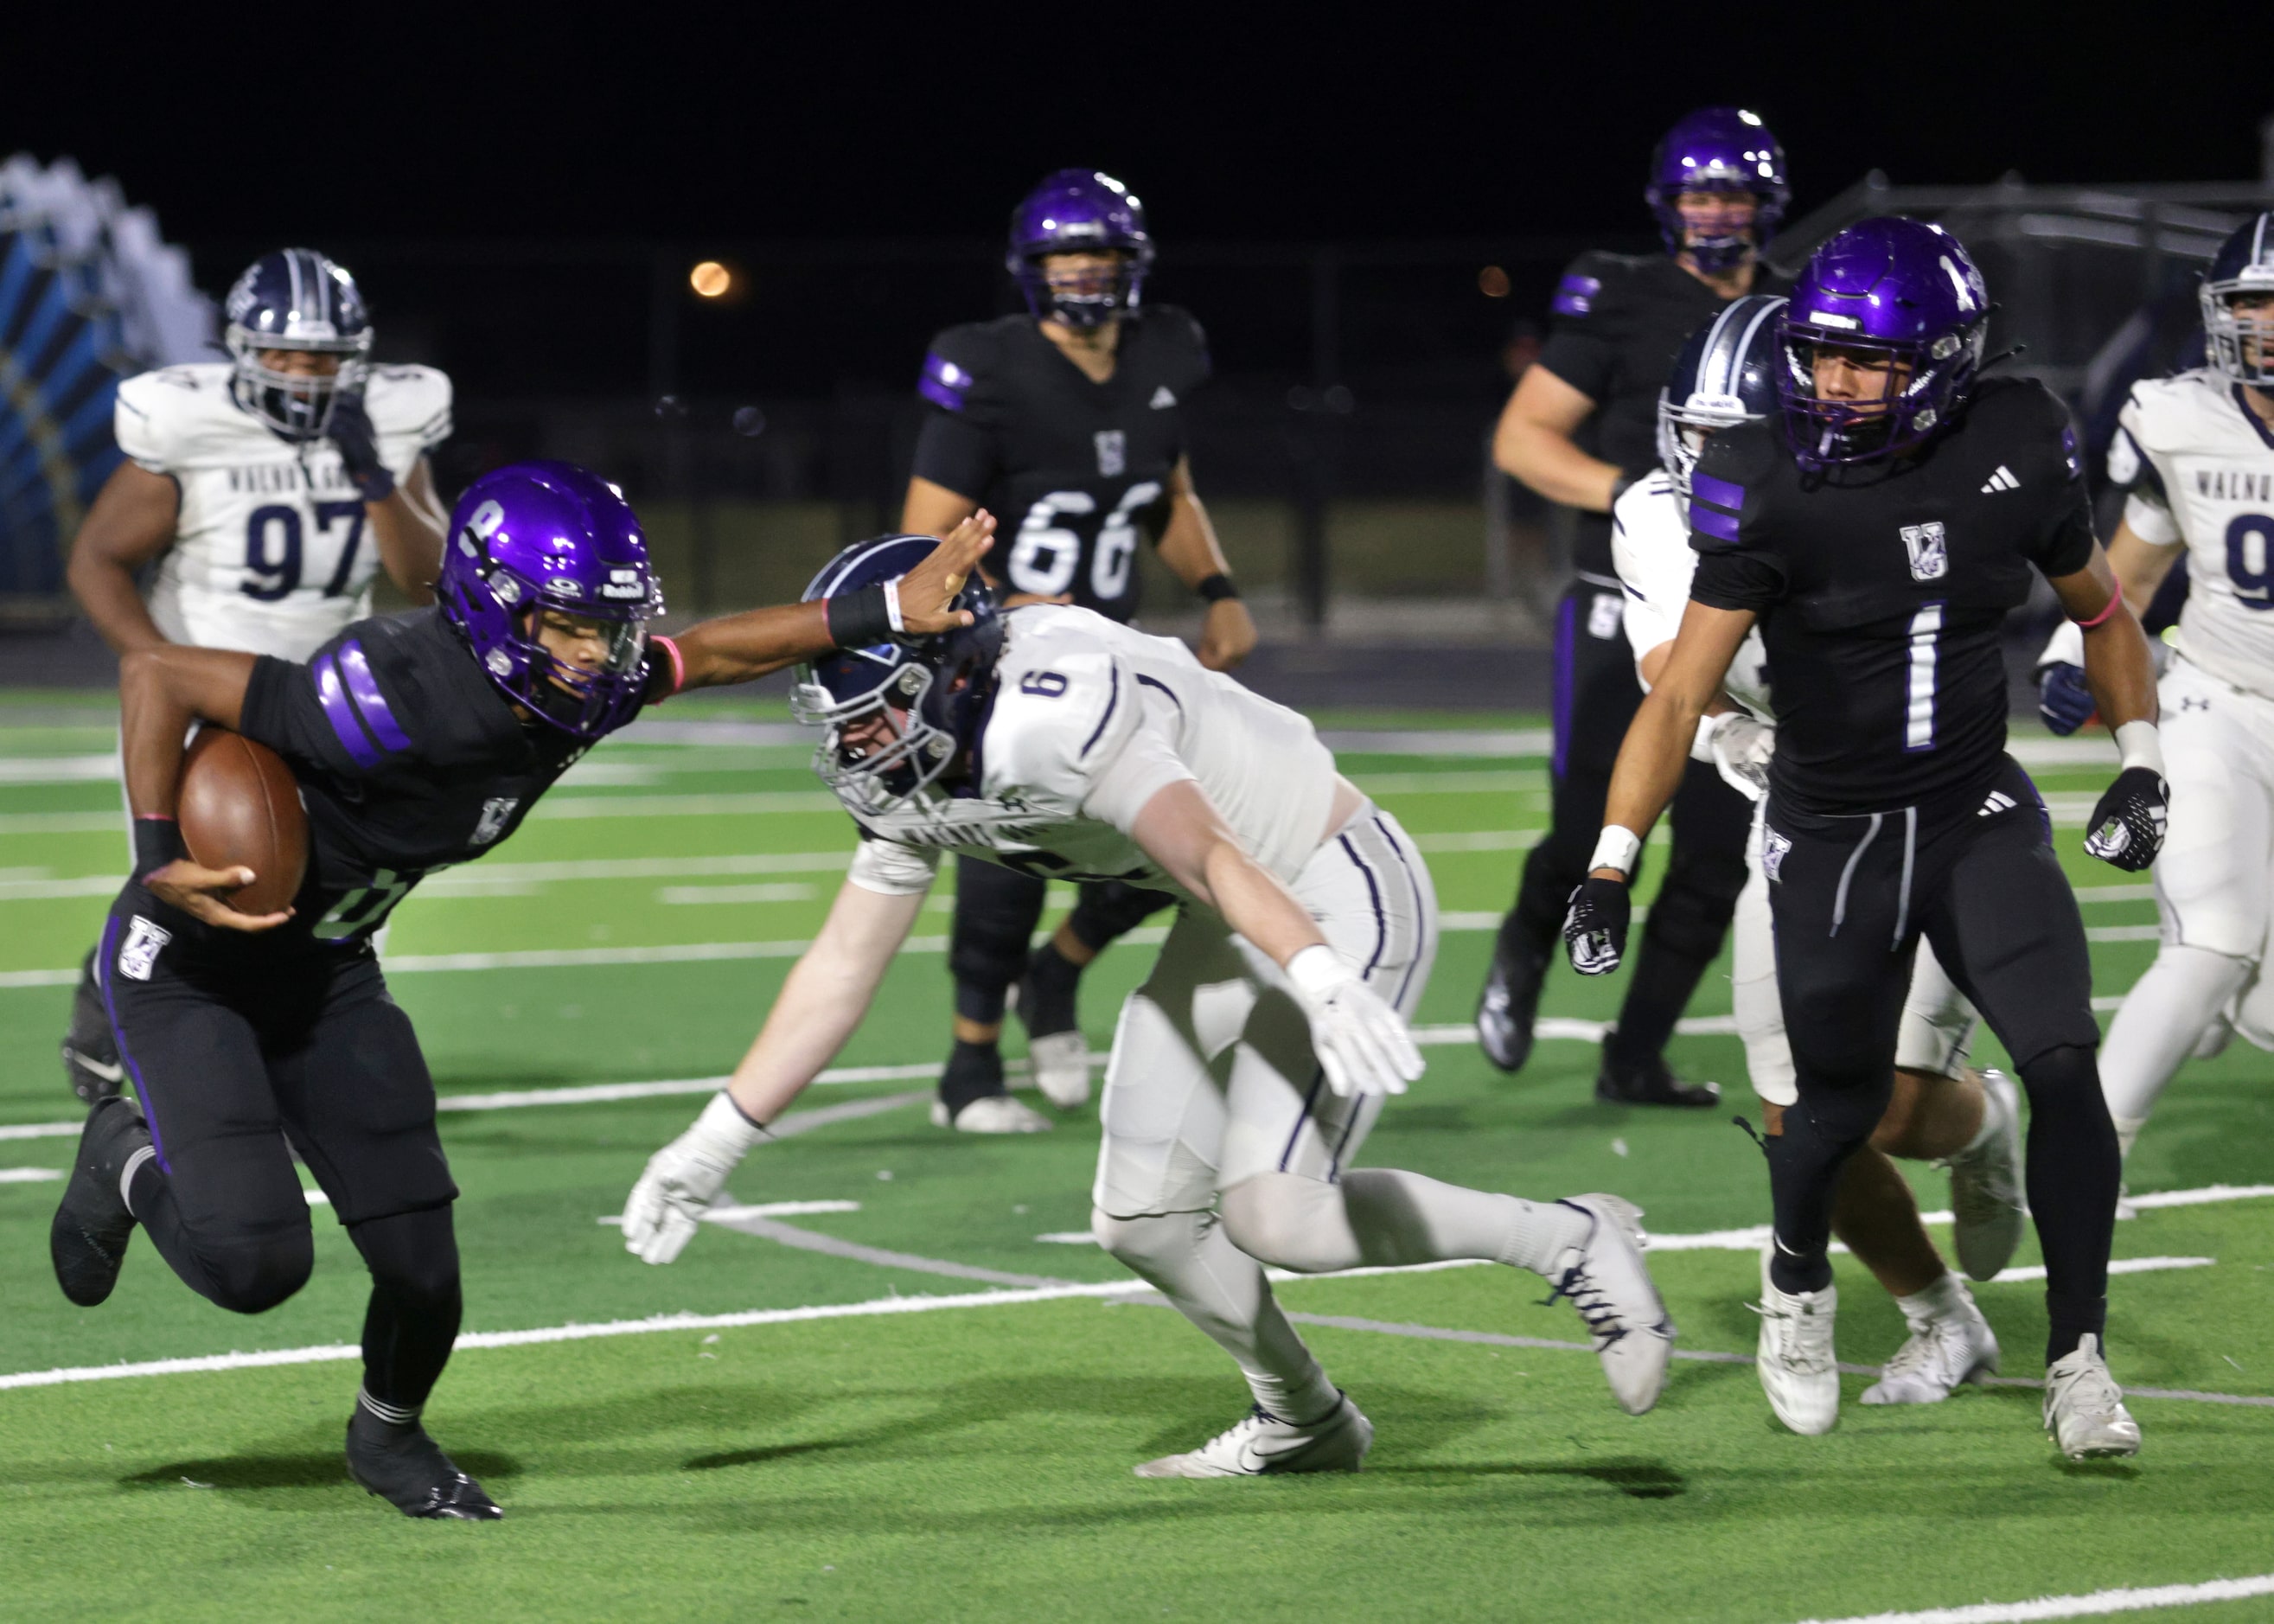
x,y
1918,713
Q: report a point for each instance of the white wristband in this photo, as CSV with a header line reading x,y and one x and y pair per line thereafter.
x,y
1317,970
1615,848
1701,743
2137,745
893,605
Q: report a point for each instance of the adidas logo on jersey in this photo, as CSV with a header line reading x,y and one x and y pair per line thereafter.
x,y
1999,801
1162,399
2002,480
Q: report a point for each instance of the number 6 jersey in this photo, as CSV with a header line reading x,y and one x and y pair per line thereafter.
x,y
271,553
2201,466
1882,590
1070,468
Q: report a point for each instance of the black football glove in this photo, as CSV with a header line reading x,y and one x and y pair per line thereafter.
x,y
2127,825
350,430
1595,928
2063,699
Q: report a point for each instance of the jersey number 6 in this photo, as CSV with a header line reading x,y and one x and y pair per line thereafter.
x,y
1047,554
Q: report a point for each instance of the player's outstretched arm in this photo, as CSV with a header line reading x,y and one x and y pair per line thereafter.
x,y
1189,548
161,691
740,648
131,523
1362,1043
828,992
1649,771
2127,825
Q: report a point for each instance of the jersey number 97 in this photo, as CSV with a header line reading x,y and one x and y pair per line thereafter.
x,y
275,548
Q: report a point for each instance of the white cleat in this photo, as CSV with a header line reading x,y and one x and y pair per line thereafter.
x,y
992,1113
1795,1360
2084,1407
1609,1282
1988,1209
1061,1063
1259,1442
1945,1351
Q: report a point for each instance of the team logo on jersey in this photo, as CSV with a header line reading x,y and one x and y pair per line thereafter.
x,y
2002,481
1606,615
1162,399
137,955
495,813
1930,553
1773,846
1112,452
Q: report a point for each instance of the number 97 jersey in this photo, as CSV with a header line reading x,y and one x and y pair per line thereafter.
x,y
271,553
1072,469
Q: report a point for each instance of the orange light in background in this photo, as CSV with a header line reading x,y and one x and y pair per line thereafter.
x,y
1492,281
711,279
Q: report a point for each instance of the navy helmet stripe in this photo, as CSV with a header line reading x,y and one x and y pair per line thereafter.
x,y
834,574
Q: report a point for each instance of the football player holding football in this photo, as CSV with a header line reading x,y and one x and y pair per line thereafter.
x,y
261,495
417,743
1580,429
1068,422
1941,1110
1878,530
2198,452
1247,1069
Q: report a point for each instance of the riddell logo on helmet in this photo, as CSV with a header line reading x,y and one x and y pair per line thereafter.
x,y
624,583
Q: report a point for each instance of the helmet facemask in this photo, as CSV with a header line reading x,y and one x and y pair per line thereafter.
x,y
296,405
1921,382
2240,343
1086,297
914,750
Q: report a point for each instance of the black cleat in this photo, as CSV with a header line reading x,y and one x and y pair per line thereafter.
x,y
1510,1006
408,1469
87,1240
1048,993
1650,1084
90,1052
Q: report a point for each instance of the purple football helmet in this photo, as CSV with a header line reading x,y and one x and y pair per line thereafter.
x,y
935,719
535,536
296,298
2241,344
1717,150
1897,291
1079,211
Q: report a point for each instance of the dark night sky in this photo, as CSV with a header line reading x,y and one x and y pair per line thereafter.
x,y
1234,123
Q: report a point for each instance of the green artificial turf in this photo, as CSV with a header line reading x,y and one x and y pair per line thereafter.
x,y
974,1462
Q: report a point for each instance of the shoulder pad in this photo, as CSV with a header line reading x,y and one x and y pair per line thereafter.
x,y
1063,711
409,400
1591,282
168,418
1735,459
956,361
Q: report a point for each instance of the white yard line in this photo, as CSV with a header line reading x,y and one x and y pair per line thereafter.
x,y
2100,1604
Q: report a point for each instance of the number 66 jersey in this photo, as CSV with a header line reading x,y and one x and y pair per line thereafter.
x,y
271,555
1070,468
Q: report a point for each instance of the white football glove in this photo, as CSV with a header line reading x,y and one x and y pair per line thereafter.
x,y
1739,744
1360,1040
683,1178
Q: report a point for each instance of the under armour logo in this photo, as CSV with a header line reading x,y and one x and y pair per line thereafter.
x,y
1999,801
1930,552
2002,480
2190,703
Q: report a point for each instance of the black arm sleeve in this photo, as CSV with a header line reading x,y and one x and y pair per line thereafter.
x,y
956,453
1729,580
1582,347
2064,540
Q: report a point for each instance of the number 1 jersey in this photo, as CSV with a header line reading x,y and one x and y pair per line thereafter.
x,y
1882,590
271,553
1070,468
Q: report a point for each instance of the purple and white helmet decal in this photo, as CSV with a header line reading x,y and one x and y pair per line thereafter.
x,y
535,536
1079,211
2240,343
1717,150
1903,299
1726,374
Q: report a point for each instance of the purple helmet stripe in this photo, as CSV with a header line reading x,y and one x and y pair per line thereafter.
x,y
368,699
1720,492
341,715
1709,521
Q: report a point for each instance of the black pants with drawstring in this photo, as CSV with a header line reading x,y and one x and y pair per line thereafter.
x,y
1975,874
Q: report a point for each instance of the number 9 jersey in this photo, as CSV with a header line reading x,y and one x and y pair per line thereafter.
x,y
1069,467
271,553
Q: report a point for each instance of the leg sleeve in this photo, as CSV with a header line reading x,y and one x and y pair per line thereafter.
x,y
995,911
1111,909
1753,985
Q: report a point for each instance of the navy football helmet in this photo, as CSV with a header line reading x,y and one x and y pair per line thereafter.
x,y
1079,211
1727,374
296,298
933,692
2242,343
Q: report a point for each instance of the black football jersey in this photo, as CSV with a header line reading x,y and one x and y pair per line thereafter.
x,y
1619,322
408,759
1882,590
1071,469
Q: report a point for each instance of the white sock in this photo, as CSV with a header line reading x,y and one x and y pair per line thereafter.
x,y
2128,1133
1381,1218
2162,1017
1933,1302
1192,1262
1993,1119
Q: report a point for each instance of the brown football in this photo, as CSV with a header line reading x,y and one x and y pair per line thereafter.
x,y
239,804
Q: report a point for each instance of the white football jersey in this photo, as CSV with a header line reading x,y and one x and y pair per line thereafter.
x,y
271,552
1091,720
1650,548
2201,464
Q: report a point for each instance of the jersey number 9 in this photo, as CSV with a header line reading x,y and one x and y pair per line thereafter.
x,y
272,575
2250,560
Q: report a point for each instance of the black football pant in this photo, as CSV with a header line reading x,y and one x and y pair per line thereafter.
x,y
237,1049
1596,694
1976,875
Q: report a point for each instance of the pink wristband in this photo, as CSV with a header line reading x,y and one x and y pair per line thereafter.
x,y
678,665
2115,599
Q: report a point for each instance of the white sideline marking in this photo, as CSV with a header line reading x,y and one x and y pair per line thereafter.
x,y
1067,1237
2097,1604
766,1209
30,1175
688,896
2123,932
